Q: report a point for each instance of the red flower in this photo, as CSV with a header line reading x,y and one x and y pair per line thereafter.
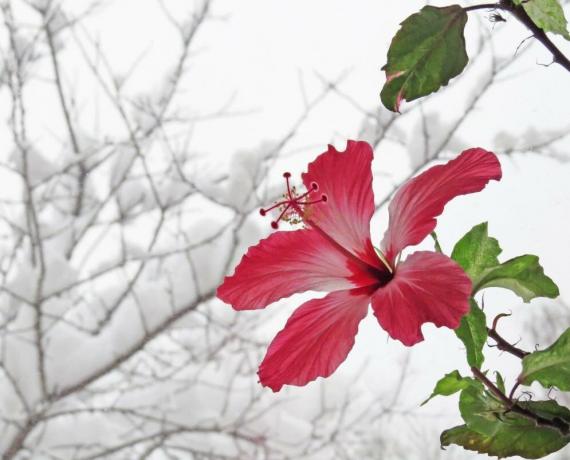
x,y
334,253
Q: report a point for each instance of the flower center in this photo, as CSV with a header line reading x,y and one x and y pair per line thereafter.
x,y
293,207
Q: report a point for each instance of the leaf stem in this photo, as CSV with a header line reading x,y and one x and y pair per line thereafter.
x,y
518,12
512,406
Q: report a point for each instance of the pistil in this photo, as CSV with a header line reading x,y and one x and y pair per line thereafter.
x,y
292,206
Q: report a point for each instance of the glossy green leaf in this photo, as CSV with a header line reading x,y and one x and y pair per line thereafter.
x,y
472,331
476,252
523,275
546,14
427,51
549,367
452,383
504,434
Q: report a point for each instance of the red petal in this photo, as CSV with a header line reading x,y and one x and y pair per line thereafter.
x,y
346,179
316,339
287,263
420,200
428,287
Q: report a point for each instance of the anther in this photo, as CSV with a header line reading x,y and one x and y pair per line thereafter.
x,y
314,186
262,212
286,175
324,198
274,225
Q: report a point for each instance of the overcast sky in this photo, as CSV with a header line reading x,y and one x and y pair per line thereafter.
x,y
260,59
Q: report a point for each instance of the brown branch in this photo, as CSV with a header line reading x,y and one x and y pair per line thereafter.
x,y
519,12
134,349
503,345
512,406
19,133
66,113
482,6
18,442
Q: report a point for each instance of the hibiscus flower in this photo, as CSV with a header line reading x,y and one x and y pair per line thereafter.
x,y
334,253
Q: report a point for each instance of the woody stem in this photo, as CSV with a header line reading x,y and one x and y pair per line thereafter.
x,y
503,345
519,12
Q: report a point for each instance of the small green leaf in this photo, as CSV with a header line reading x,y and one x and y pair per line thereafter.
x,y
493,430
427,51
546,14
472,331
476,252
549,367
452,383
500,381
523,275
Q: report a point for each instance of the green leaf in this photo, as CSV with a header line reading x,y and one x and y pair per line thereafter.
x,y
525,441
452,383
546,14
523,275
472,331
427,51
549,367
476,252
493,430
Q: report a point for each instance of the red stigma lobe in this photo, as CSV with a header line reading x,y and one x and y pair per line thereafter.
x,y
292,206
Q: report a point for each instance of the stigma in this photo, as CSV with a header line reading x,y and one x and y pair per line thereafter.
x,y
294,207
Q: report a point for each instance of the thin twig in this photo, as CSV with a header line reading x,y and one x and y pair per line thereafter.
x,y
519,12
503,345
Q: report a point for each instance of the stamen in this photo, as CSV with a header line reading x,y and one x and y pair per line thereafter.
x,y
291,205
263,211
